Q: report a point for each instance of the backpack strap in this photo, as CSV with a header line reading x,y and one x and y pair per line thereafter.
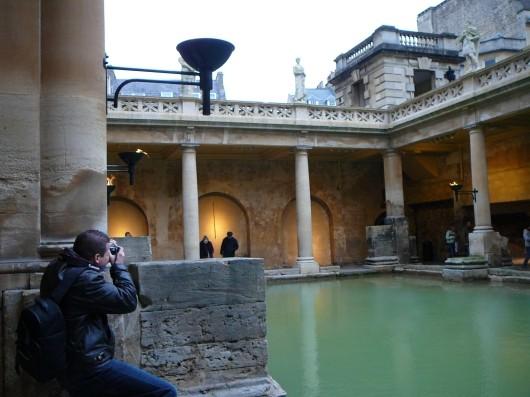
x,y
70,275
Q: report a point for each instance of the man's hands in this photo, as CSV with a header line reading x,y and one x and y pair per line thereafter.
x,y
119,258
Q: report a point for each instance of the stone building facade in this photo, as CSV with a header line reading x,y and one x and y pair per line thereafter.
x,y
392,66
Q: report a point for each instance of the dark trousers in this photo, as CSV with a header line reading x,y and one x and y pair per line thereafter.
x,y
117,379
526,256
451,250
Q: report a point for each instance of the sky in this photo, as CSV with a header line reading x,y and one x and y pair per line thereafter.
x,y
268,36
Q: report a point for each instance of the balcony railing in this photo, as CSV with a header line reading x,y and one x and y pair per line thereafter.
x,y
471,85
390,37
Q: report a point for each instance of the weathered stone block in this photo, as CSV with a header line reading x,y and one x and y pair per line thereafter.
x,y
209,362
137,249
202,325
380,240
182,284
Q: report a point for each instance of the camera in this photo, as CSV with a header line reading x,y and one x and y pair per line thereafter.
x,y
114,249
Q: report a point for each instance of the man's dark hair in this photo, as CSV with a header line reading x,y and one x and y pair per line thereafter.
x,y
229,234
90,243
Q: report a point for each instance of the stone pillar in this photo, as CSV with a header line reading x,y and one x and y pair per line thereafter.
x,y
73,122
484,241
479,176
190,203
395,203
393,184
19,128
305,261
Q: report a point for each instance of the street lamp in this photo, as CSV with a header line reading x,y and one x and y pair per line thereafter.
x,y
205,55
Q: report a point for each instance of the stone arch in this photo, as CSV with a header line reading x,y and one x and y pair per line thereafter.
x,y
125,215
220,213
323,239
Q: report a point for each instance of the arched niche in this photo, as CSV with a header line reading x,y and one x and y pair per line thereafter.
x,y
322,233
220,213
124,215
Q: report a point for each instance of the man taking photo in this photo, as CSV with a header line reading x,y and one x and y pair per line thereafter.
x,y
92,370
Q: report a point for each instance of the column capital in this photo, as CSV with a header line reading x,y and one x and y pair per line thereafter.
x,y
474,128
303,148
391,152
189,146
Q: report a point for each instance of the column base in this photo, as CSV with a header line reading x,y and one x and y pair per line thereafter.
x,y
487,243
307,264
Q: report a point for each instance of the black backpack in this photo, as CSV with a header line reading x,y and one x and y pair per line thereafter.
x,y
41,333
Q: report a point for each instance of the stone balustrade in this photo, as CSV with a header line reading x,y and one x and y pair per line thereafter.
x,y
472,85
388,37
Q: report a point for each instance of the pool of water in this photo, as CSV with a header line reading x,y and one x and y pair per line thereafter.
x,y
398,336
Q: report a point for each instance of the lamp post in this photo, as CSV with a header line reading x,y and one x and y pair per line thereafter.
x,y
457,189
205,55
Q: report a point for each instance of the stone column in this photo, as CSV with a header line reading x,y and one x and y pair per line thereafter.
x,y
73,122
305,261
190,202
19,128
479,176
395,203
484,241
393,184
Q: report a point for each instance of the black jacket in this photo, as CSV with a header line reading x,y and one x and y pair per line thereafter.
x,y
86,305
206,249
229,247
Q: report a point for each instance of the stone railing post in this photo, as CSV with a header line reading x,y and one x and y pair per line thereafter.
x,y
385,35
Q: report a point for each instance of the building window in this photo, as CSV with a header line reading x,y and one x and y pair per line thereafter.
x,y
489,62
166,94
357,94
423,81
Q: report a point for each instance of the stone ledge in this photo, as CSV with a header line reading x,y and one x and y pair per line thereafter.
x,y
256,387
200,283
465,274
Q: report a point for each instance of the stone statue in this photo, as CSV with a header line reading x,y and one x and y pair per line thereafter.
x,y
470,45
299,81
186,90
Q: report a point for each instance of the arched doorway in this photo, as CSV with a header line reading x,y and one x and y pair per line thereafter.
x,y
322,233
126,216
220,213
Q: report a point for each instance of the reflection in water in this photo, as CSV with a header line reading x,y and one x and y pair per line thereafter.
x,y
399,337
309,343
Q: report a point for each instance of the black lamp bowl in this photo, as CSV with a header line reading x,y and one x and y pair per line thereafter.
x,y
131,158
205,54
455,187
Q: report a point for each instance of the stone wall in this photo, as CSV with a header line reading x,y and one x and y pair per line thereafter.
x,y
351,191
388,79
203,325
489,16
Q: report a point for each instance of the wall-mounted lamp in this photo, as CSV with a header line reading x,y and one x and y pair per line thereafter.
x,y
130,159
110,187
204,55
457,189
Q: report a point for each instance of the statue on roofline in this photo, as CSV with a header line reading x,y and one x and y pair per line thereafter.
x,y
299,81
470,45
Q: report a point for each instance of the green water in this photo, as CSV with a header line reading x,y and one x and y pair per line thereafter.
x,y
396,336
